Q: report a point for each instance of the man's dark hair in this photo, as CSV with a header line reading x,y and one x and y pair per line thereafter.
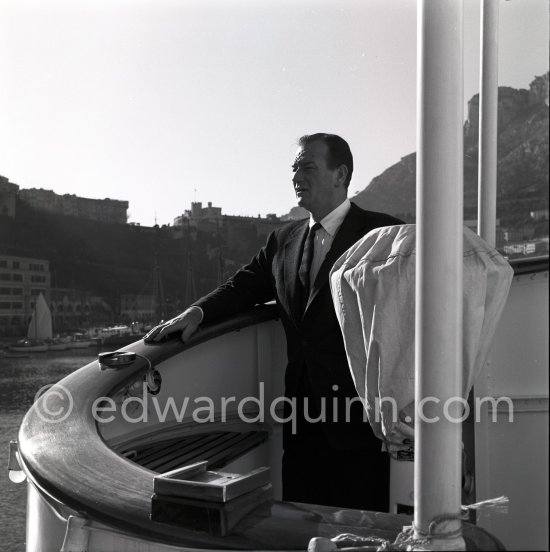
x,y
339,152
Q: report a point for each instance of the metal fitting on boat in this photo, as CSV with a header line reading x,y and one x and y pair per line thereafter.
x,y
15,471
153,379
116,359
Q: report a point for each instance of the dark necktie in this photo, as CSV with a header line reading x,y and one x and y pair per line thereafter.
x,y
307,257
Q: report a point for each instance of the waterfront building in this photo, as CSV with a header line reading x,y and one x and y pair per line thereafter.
x,y
21,280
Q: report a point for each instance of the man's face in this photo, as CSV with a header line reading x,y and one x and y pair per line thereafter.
x,y
318,188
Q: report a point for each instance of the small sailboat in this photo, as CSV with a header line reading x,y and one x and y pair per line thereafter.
x,y
40,329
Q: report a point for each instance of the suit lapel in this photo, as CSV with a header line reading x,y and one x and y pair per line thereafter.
x,y
292,257
349,232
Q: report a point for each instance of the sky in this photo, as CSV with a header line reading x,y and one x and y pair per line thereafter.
x,y
165,102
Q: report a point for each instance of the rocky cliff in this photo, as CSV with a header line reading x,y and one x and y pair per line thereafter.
x,y
522,162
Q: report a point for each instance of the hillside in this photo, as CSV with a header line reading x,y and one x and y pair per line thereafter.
x,y
522,162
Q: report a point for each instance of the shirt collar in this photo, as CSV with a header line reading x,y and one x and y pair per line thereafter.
x,y
334,219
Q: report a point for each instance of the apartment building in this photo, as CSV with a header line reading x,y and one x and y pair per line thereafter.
x,y
21,280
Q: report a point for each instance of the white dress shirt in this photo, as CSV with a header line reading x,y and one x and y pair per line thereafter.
x,y
325,236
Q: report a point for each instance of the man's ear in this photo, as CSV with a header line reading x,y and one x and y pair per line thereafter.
x,y
341,174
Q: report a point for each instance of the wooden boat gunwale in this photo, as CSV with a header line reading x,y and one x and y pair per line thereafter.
x,y
66,460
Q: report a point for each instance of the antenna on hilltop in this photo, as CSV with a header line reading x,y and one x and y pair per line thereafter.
x,y
155,217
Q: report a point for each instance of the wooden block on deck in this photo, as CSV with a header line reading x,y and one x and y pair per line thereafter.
x,y
194,481
215,518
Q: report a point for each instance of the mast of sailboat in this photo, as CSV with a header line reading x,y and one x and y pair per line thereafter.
x,y
158,290
438,324
488,122
190,291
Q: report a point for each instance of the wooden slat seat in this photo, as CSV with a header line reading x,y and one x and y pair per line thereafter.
x,y
217,448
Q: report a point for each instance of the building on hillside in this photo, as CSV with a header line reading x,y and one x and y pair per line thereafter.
x,y
74,309
103,210
138,308
198,213
8,197
233,238
21,280
234,227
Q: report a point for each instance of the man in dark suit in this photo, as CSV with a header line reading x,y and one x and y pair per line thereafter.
x,y
333,457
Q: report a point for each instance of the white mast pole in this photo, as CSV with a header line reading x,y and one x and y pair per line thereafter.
x,y
438,361
488,122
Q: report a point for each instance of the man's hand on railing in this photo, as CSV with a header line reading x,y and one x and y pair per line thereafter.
x,y
187,323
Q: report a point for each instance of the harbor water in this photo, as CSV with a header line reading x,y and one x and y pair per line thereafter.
x,y
20,380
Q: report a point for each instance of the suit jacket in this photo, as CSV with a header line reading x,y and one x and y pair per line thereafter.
x,y
317,360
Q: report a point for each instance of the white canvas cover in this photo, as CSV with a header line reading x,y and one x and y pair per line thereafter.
x,y
373,289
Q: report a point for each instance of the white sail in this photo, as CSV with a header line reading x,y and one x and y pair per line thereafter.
x,y
40,326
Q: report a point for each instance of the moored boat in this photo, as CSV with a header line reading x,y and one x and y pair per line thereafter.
x,y
80,341
115,341
57,345
118,336
29,346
